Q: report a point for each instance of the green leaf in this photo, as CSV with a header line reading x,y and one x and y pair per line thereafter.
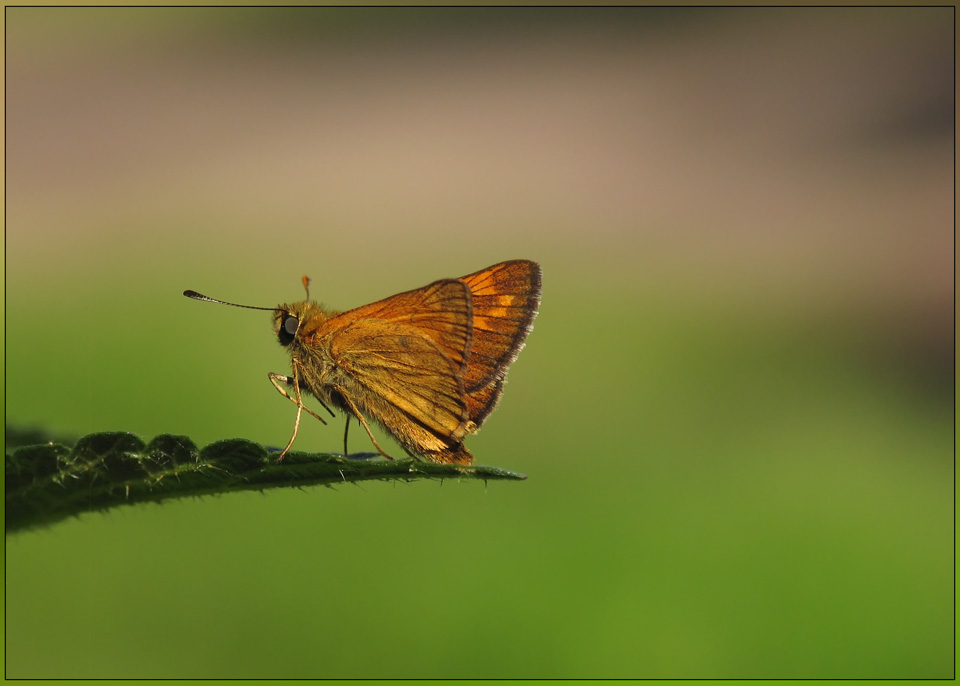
x,y
49,482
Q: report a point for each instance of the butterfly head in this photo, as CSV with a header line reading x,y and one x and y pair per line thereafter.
x,y
296,321
287,318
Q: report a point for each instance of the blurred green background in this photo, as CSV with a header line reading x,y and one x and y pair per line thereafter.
x,y
735,410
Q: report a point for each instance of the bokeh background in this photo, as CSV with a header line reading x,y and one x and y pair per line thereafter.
x,y
736,410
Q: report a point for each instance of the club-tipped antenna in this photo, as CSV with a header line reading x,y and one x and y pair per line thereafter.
x,y
200,296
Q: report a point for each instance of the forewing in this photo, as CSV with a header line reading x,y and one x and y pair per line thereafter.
x,y
505,300
441,311
484,401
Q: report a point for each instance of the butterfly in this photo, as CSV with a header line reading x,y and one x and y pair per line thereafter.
x,y
428,365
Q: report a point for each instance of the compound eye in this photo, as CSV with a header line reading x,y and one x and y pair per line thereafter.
x,y
288,329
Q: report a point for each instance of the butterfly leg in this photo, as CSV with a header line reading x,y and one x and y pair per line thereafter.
x,y
346,430
277,379
356,413
296,424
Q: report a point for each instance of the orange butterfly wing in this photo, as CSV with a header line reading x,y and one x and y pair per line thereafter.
x,y
505,301
407,354
441,310
429,364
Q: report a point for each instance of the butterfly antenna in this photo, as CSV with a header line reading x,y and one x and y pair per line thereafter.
x,y
306,285
200,296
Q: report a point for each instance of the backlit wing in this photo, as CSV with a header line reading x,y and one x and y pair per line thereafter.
x,y
482,402
505,301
